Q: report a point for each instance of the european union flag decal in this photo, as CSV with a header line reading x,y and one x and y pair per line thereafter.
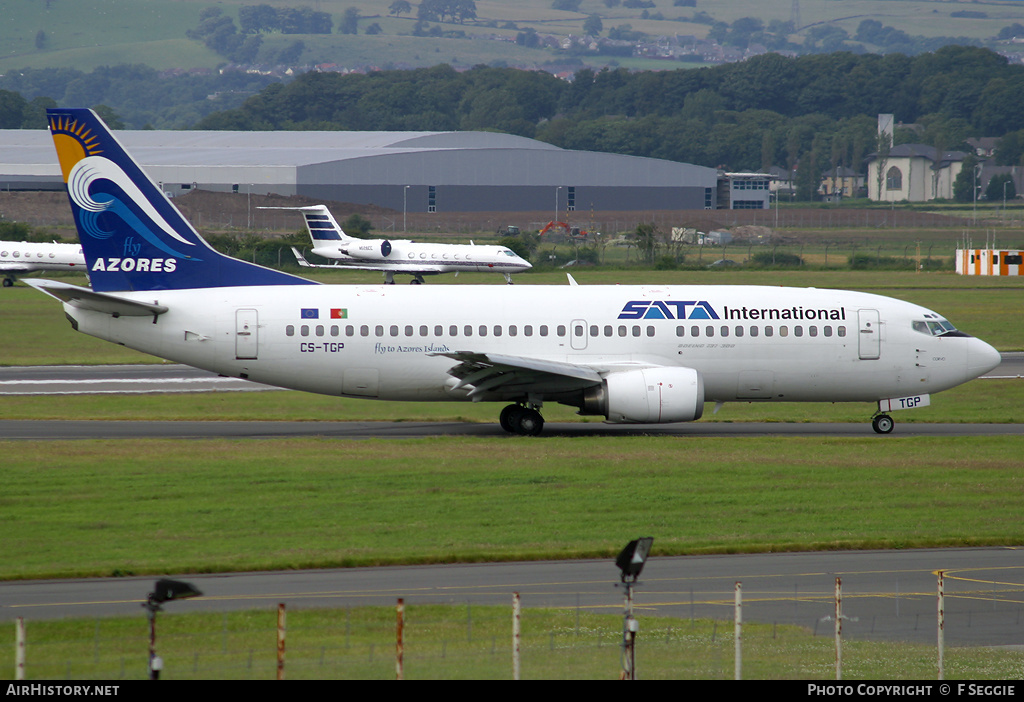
x,y
310,313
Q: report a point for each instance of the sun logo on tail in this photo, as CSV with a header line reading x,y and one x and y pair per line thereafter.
x,y
74,142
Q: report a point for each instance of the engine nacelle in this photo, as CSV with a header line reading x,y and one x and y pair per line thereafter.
x,y
648,396
370,250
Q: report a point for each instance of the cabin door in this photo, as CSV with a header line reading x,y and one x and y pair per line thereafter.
x,y
869,335
246,334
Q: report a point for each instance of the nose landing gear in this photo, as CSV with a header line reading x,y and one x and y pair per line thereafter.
x,y
882,424
518,419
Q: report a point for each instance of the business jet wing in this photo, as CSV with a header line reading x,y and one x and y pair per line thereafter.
x,y
494,372
86,299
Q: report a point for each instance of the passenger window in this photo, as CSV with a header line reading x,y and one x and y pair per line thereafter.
x,y
798,330
841,331
769,331
453,330
512,330
483,330
304,330
408,330
543,330
289,330
424,331
694,331
594,330
364,330
710,331
753,331
739,331
622,330
497,330
438,330
636,330
783,331
335,331
319,329
467,330
378,330
812,331
350,330
828,331
528,330
608,331
394,330
680,331
725,330
560,330
650,331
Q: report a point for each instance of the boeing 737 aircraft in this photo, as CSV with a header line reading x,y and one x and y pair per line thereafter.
x,y
399,256
640,354
20,257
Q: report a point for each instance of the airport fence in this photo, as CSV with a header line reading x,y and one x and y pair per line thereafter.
x,y
471,641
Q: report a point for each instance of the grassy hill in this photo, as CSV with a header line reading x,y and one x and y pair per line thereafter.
x,y
88,33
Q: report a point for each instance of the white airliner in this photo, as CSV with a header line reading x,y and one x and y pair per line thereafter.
x,y
639,354
401,255
20,257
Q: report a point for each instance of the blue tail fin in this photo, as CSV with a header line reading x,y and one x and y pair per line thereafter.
x,y
132,236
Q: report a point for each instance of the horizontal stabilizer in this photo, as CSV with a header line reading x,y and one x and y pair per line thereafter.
x,y
86,299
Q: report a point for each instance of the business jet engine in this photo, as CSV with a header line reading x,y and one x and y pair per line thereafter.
x,y
370,250
648,396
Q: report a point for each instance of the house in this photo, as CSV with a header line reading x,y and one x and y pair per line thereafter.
x,y
913,172
840,182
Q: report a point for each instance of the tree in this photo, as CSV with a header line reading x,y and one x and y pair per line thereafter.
x,y
995,189
645,236
350,22
399,7
357,225
566,5
964,187
592,25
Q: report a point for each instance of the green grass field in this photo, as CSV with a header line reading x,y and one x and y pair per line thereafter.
x,y
78,508
85,35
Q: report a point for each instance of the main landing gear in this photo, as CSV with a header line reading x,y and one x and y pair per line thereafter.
x,y
519,419
882,424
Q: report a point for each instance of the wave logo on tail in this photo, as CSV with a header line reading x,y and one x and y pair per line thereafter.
x,y
87,187
98,187
132,235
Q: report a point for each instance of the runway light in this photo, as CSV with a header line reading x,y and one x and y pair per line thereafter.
x,y
631,560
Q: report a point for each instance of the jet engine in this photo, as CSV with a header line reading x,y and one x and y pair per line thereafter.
x,y
368,250
648,396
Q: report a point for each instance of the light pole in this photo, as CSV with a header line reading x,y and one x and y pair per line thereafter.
x,y
555,219
631,561
165,591
405,206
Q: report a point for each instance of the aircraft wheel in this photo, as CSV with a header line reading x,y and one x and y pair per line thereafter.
x,y
530,423
8,282
509,418
415,281
883,424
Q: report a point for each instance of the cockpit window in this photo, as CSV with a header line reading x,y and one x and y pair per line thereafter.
x,y
934,327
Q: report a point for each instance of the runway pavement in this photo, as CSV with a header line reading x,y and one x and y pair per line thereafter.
x,y
887,595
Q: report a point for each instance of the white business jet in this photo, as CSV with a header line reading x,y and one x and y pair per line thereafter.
x,y
20,257
637,354
401,255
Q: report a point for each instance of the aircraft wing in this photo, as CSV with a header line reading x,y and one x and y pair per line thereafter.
x,y
96,301
494,372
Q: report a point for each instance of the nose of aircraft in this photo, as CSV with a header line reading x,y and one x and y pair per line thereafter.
x,y
981,358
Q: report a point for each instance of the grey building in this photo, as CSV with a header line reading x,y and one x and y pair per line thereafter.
x,y
405,171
